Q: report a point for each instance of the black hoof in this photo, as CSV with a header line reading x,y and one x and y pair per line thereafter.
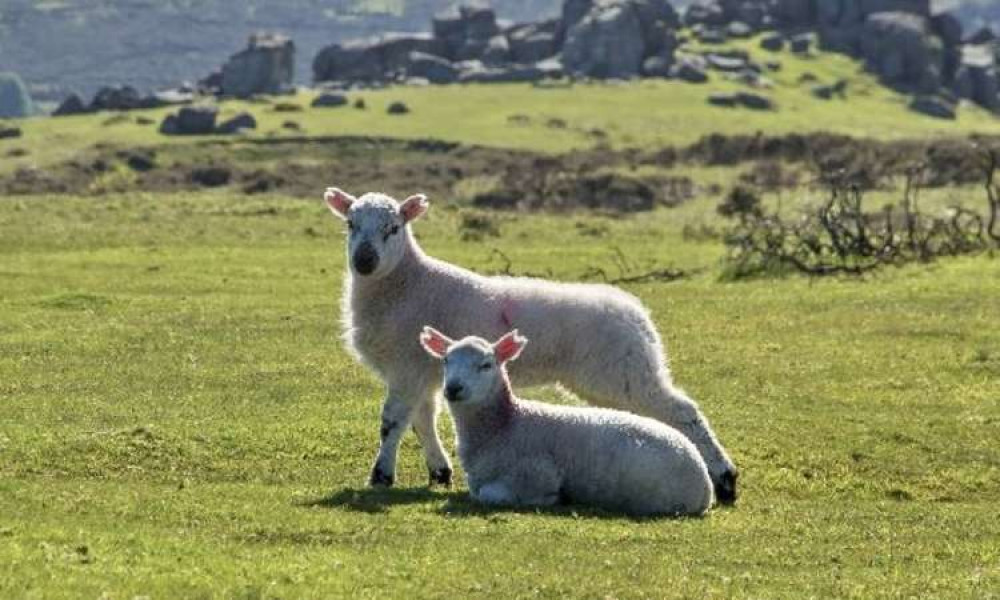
x,y
381,478
725,488
441,476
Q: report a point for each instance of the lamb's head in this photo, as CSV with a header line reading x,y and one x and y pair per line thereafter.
x,y
473,367
377,229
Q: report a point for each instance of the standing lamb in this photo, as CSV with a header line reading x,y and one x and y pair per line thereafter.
x,y
393,289
521,453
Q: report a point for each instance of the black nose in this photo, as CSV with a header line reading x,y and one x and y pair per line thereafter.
x,y
365,259
453,391
725,488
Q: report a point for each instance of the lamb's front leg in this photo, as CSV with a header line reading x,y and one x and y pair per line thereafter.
x,y
425,425
396,415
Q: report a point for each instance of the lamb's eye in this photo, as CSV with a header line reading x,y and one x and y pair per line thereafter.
x,y
394,230
485,366
350,226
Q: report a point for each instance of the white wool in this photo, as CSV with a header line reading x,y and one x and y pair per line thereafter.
x,y
595,340
522,453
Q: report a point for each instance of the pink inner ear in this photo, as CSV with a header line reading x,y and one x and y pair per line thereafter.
x,y
434,342
338,201
508,347
413,207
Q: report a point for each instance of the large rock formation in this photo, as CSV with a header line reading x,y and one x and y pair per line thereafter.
x,y
15,101
613,38
977,78
606,43
903,51
902,41
467,44
265,66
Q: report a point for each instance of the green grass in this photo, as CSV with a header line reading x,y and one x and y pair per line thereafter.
x,y
178,419
643,114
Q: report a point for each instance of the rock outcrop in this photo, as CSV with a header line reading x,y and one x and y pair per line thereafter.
x,y
613,38
265,66
15,102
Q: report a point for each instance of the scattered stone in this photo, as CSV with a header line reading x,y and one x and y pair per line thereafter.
x,y
8,132
360,104
933,106
690,68
398,108
739,30
211,176
241,122
291,126
657,66
477,73
287,107
722,99
123,97
433,68
144,120
752,78
773,65
329,100
72,105
191,120
754,101
774,42
712,36
140,160
727,64
802,44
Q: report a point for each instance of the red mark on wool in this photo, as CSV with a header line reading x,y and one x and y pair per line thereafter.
x,y
507,314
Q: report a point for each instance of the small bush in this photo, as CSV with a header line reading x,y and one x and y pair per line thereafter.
x,y
842,237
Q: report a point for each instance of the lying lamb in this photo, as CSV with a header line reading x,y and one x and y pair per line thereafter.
x,y
595,340
520,453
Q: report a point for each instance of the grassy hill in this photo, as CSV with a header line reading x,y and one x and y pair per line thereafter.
x,y
550,119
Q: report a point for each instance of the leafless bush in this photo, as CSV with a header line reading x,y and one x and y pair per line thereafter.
x,y
842,237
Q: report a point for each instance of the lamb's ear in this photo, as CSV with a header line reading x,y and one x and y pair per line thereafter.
x,y
414,207
509,347
339,201
434,342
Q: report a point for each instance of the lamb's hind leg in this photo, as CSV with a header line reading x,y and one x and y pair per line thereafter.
x,y
425,426
637,380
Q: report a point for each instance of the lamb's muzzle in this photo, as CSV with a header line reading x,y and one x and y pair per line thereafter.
x,y
725,489
365,259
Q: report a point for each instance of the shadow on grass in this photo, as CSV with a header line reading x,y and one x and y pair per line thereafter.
x,y
378,500
459,505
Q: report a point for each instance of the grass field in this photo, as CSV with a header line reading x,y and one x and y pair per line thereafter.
x,y
178,419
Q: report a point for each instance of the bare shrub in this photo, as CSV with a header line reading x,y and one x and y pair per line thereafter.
x,y
842,237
